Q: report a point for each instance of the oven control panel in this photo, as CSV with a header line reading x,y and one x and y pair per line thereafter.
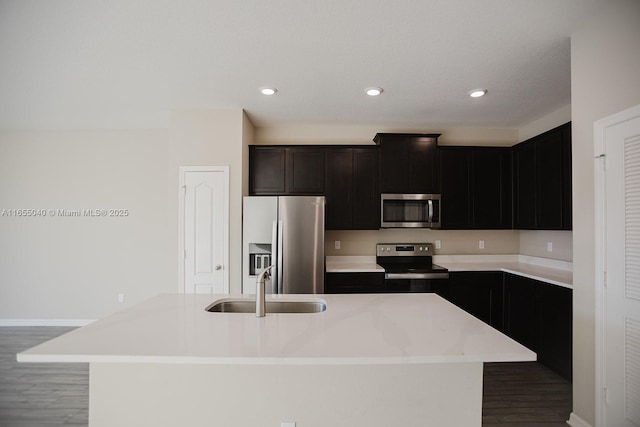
x,y
404,249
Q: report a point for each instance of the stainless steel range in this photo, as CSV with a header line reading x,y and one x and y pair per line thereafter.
x,y
409,267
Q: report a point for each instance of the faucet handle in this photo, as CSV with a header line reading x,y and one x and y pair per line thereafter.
x,y
265,274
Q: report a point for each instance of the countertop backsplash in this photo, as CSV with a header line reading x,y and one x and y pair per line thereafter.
x,y
455,242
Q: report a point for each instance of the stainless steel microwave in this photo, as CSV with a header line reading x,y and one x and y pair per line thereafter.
x,y
410,211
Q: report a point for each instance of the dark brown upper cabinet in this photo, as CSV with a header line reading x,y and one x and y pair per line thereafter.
x,y
409,163
476,187
542,181
286,170
353,197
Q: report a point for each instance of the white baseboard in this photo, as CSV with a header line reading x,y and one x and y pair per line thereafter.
x,y
576,421
45,322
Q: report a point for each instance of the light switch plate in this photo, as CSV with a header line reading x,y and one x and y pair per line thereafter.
x,y
481,244
337,244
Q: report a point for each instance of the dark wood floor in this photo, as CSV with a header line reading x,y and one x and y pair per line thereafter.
x,y
48,395
40,394
524,395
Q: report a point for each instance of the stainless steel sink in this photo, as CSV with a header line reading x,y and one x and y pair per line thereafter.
x,y
249,306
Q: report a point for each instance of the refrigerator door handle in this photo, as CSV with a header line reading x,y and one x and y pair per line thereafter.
x,y
275,272
280,255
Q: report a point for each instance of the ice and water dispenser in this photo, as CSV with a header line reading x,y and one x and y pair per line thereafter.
x,y
259,258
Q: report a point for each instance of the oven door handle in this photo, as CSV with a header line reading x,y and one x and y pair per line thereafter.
x,y
409,276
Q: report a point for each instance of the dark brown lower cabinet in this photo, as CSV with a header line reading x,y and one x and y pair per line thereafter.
x,y
519,309
354,283
539,315
478,293
553,324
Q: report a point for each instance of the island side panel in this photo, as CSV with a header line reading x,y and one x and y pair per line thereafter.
x,y
197,395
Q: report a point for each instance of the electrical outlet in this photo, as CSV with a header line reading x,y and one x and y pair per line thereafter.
x,y
120,297
549,246
438,244
481,244
337,244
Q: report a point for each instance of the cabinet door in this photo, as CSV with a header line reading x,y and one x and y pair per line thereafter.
x,y
354,283
549,190
554,317
339,189
519,314
305,170
567,185
524,177
455,166
267,170
553,157
409,163
423,166
491,172
366,194
393,167
478,293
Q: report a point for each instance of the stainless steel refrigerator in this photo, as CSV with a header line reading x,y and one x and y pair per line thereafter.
x,y
288,232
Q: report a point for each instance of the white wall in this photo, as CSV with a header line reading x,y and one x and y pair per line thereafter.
x,y
604,80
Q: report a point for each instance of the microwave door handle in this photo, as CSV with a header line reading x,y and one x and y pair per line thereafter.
x,y
430,204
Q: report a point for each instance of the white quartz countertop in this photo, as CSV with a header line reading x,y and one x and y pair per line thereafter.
x,y
354,329
352,264
555,272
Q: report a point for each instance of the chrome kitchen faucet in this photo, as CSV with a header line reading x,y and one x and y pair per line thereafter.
x,y
260,299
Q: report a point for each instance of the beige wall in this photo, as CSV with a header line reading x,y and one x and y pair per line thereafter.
x,y
215,138
75,267
545,123
357,135
363,242
604,79
57,267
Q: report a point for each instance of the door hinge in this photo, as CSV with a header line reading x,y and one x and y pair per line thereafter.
x,y
185,254
605,398
604,279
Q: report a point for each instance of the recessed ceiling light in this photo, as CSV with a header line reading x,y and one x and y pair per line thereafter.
x,y
268,90
373,91
477,93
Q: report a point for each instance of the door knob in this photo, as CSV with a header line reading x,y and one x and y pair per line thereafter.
x,y
218,267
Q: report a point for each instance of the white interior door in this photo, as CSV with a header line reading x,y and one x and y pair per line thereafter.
x,y
618,142
205,208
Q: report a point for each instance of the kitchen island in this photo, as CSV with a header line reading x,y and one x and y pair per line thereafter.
x,y
374,360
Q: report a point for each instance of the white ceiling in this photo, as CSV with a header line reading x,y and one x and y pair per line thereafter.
x,y
128,63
